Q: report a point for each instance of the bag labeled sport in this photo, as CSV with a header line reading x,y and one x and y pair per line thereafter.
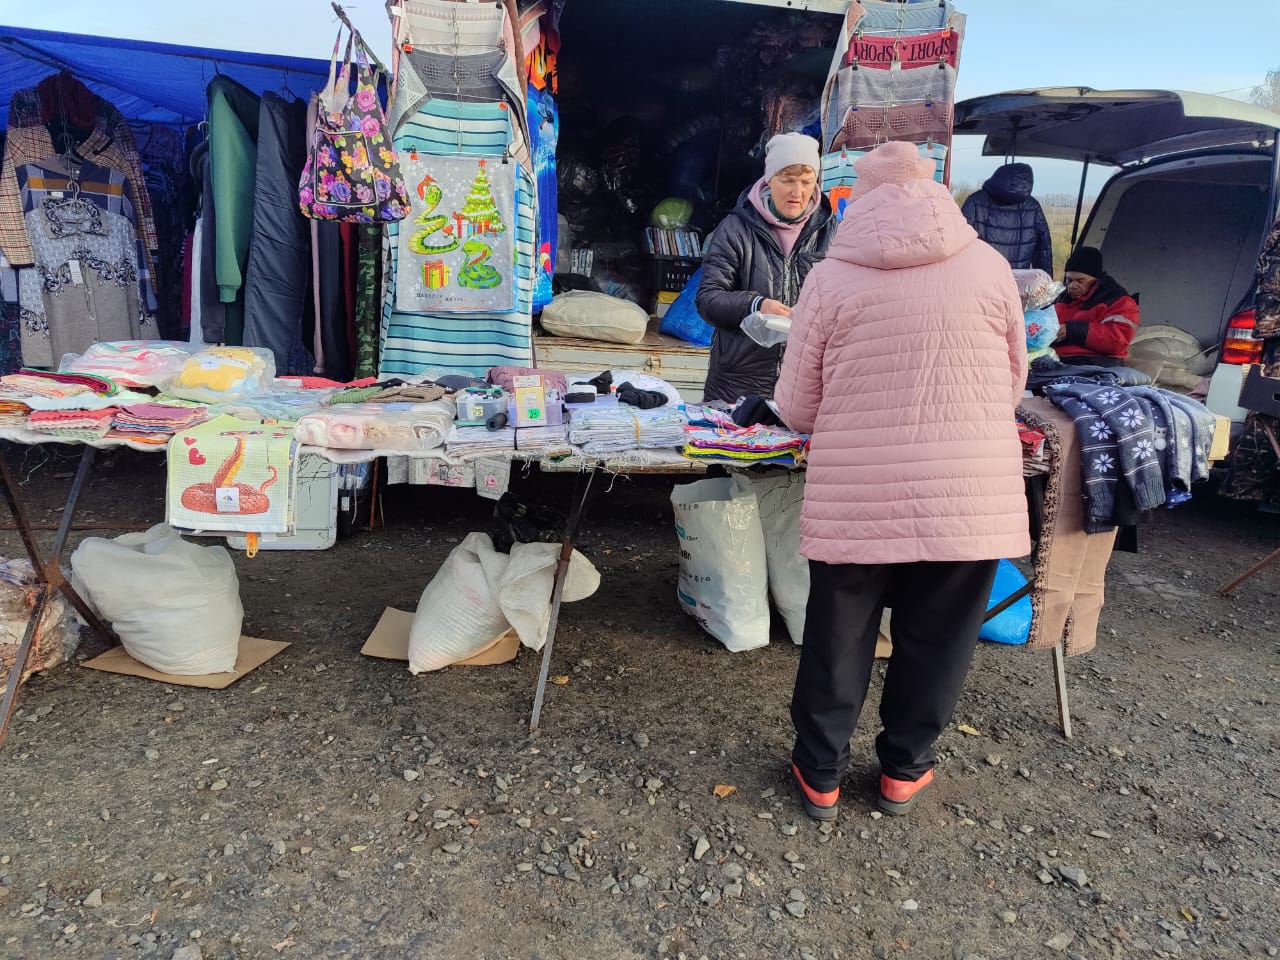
x,y
352,172
781,497
723,580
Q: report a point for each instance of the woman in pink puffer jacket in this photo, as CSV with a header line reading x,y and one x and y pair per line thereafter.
x,y
906,360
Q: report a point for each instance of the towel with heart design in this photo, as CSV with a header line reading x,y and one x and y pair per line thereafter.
x,y
232,475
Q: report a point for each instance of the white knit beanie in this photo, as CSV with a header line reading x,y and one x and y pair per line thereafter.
x,y
789,149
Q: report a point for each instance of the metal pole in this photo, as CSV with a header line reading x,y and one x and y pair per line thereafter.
x,y
1266,562
20,664
1007,602
1075,226
19,511
1060,685
557,591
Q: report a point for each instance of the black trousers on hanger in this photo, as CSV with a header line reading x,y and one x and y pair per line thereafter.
x,y
278,277
937,612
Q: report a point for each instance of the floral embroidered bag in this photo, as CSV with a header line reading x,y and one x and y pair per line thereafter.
x,y
352,172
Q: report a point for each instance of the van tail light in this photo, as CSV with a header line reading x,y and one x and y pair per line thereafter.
x,y
1241,346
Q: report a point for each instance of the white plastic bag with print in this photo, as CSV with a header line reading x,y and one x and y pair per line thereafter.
x,y
781,497
479,593
723,575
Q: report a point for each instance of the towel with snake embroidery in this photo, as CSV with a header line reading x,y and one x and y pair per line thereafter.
x,y
232,475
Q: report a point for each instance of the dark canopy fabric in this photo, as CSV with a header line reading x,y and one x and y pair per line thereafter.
x,y
156,82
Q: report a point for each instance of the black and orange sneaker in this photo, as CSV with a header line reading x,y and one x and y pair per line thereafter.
x,y
819,805
899,796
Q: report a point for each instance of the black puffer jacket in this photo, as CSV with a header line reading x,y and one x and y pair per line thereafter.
x,y
1006,216
743,261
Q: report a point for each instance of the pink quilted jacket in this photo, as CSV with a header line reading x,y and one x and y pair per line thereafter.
x,y
906,359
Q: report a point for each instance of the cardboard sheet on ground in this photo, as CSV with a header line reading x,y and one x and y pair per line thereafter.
x,y
253,653
390,641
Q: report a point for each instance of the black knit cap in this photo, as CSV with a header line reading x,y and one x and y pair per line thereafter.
x,y
1087,260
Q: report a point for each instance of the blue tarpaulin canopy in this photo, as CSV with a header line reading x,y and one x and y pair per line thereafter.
x,y
155,82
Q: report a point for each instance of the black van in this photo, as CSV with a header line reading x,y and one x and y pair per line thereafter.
x,y
1181,222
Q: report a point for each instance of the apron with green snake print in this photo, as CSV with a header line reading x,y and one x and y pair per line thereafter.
x,y
456,249
459,275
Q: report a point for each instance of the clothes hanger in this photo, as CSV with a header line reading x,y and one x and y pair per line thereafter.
x,y
285,90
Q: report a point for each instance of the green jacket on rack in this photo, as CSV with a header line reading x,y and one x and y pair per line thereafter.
x,y
233,154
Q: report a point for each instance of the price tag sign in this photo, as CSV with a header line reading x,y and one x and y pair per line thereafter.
x,y
493,477
228,499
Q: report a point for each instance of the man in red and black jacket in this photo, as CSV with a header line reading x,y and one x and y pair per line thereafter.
x,y
1098,318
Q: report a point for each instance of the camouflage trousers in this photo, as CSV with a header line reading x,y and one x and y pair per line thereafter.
x,y
368,300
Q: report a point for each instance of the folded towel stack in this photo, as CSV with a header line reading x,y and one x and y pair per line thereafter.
x,y
155,421
400,427
472,442
754,444
613,428
85,425
543,440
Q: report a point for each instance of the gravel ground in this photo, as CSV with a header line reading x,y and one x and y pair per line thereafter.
x,y
329,805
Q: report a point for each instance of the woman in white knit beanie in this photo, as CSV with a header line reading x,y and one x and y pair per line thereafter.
x,y
757,259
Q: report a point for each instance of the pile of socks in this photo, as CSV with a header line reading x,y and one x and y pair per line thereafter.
x,y
644,399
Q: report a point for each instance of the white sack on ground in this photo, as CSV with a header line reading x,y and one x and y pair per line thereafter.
x,y
479,593
781,498
175,605
723,576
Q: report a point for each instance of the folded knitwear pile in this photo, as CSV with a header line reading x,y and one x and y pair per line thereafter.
x,y
85,425
13,413
154,421
754,444
55,385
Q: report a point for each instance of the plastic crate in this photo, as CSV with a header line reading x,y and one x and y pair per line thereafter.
x,y
673,273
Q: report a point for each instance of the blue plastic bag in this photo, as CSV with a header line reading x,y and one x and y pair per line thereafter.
x,y
682,319
1042,328
1012,626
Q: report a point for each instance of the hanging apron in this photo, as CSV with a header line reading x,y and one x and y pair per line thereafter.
x,y
458,95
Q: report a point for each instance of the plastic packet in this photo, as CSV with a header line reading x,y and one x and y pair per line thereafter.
x,y
223,374
130,363
767,329
1037,289
1042,328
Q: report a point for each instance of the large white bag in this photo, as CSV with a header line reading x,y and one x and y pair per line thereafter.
x,y
723,576
174,604
478,594
781,497
595,316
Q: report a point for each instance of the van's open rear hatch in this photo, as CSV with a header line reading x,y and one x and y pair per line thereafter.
x,y
1114,127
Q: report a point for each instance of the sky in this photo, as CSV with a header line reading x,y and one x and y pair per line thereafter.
x,y
1009,44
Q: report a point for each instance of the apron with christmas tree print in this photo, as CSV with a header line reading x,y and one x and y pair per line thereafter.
x,y
456,249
